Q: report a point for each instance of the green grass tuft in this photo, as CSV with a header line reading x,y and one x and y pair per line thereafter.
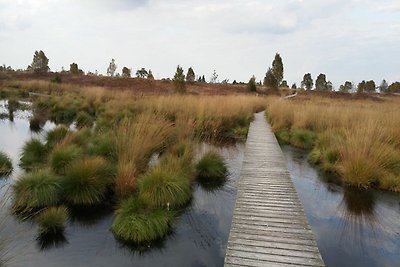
x,y
283,137
136,222
86,181
56,135
5,164
211,168
302,138
52,221
167,183
33,153
63,156
103,145
84,119
37,189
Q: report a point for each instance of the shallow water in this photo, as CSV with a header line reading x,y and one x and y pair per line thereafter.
x,y
198,237
352,227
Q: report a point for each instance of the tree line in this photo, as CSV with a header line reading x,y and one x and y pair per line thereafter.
x,y
273,78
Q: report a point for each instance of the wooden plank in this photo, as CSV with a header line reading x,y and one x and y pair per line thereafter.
x,y
269,226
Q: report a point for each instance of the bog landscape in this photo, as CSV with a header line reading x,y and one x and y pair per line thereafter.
x,y
125,167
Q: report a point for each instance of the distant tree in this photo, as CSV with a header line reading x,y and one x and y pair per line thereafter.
x,y
284,84
234,82
361,87
214,77
307,81
126,72
203,79
270,80
40,62
383,87
329,86
277,68
142,73
111,68
394,87
251,85
4,68
150,75
370,86
320,83
294,86
225,81
179,80
346,87
74,69
190,76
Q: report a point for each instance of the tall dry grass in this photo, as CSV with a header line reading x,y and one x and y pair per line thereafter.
x,y
359,139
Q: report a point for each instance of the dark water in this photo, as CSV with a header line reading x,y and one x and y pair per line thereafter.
x,y
199,236
352,227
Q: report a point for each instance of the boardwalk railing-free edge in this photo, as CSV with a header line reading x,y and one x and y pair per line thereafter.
x,y
269,226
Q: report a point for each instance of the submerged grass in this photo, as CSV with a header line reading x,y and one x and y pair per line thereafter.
x,y
136,222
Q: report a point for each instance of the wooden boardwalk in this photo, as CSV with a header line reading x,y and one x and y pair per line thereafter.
x,y
269,226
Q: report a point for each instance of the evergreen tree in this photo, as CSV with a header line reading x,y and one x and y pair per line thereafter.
x,y
307,81
40,62
74,69
203,79
284,84
142,73
361,87
320,83
270,80
383,87
179,80
251,85
346,87
190,76
214,77
294,86
277,68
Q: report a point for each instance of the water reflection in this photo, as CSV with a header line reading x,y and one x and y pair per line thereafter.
x,y
352,227
49,241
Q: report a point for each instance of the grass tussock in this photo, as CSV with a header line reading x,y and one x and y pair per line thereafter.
x,y
36,190
135,222
56,135
52,220
34,153
211,169
87,181
5,164
62,156
167,184
359,140
136,141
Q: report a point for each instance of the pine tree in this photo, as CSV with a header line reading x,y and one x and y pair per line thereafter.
x,y
126,72
307,81
277,68
190,76
251,85
40,62
150,75
179,81
320,83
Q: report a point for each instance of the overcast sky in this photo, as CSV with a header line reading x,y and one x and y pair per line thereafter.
x,y
346,39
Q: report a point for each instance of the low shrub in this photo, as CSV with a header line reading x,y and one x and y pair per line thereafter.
x,y
283,137
5,164
136,222
52,221
37,189
62,156
33,153
211,168
86,181
167,183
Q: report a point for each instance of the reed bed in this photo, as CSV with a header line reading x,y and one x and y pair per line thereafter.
x,y
359,140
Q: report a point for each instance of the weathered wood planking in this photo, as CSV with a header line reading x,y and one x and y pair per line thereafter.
x,y
269,226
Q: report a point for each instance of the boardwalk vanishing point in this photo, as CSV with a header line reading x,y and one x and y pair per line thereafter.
x,y
269,226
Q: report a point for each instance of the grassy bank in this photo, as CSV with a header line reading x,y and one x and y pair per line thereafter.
x,y
359,140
